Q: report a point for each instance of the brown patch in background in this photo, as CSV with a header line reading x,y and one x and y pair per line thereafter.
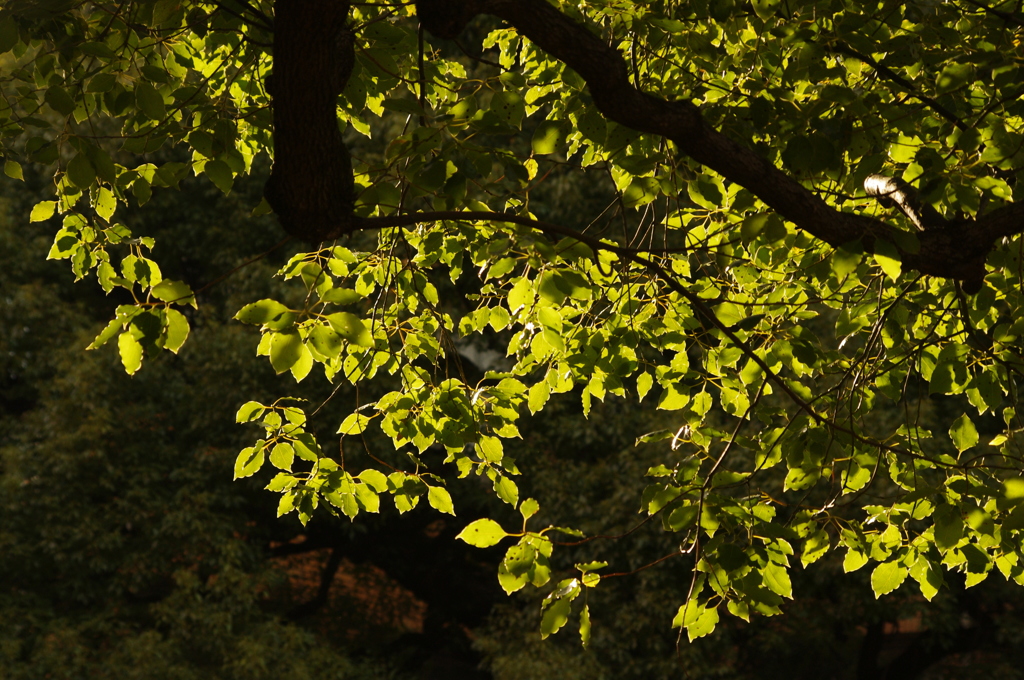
x,y
363,603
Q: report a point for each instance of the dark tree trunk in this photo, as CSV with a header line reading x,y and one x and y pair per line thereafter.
x,y
310,186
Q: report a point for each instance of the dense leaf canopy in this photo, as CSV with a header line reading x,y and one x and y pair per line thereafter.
x,y
786,227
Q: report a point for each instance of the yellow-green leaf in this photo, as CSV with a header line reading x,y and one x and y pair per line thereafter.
x,y
887,577
482,533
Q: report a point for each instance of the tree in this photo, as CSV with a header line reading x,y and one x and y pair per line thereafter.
x,y
835,350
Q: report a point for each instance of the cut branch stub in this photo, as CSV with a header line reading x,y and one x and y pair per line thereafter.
x,y
893,192
310,186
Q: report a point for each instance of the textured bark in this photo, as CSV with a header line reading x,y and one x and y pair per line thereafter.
x,y
310,186
957,252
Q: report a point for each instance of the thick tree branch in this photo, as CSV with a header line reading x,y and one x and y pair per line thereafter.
x,y
957,253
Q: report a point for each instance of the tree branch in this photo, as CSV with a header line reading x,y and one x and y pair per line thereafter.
x,y
1005,16
907,86
956,253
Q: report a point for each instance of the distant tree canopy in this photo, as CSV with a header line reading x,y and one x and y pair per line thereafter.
x,y
807,257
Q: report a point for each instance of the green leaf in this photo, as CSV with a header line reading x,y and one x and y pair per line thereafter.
x,y
555,616
42,211
270,313
798,155
507,490
303,365
672,399
948,528
97,49
490,449
520,558
585,625
702,625
928,577
104,202
888,258
963,433
287,502
548,137
699,620
282,456
375,479
354,423
482,533
887,577
815,547
643,385
854,560
350,327
953,76
8,34
682,518
149,101
509,107
285,350
141,270
281,482
1014,488
845,262
776,577
113,328
101,82
765,9
176,330
59,100
950,375
173,291
131,352
220,174
440,500
752,226
512,582
249,411
248,462
13,170
529,508
539,394
306,447
325,340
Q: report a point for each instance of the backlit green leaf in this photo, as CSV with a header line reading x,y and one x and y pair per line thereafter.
x,y
351,327
555,616
440,500
963,433
131,352
887,577
482,533
888,258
